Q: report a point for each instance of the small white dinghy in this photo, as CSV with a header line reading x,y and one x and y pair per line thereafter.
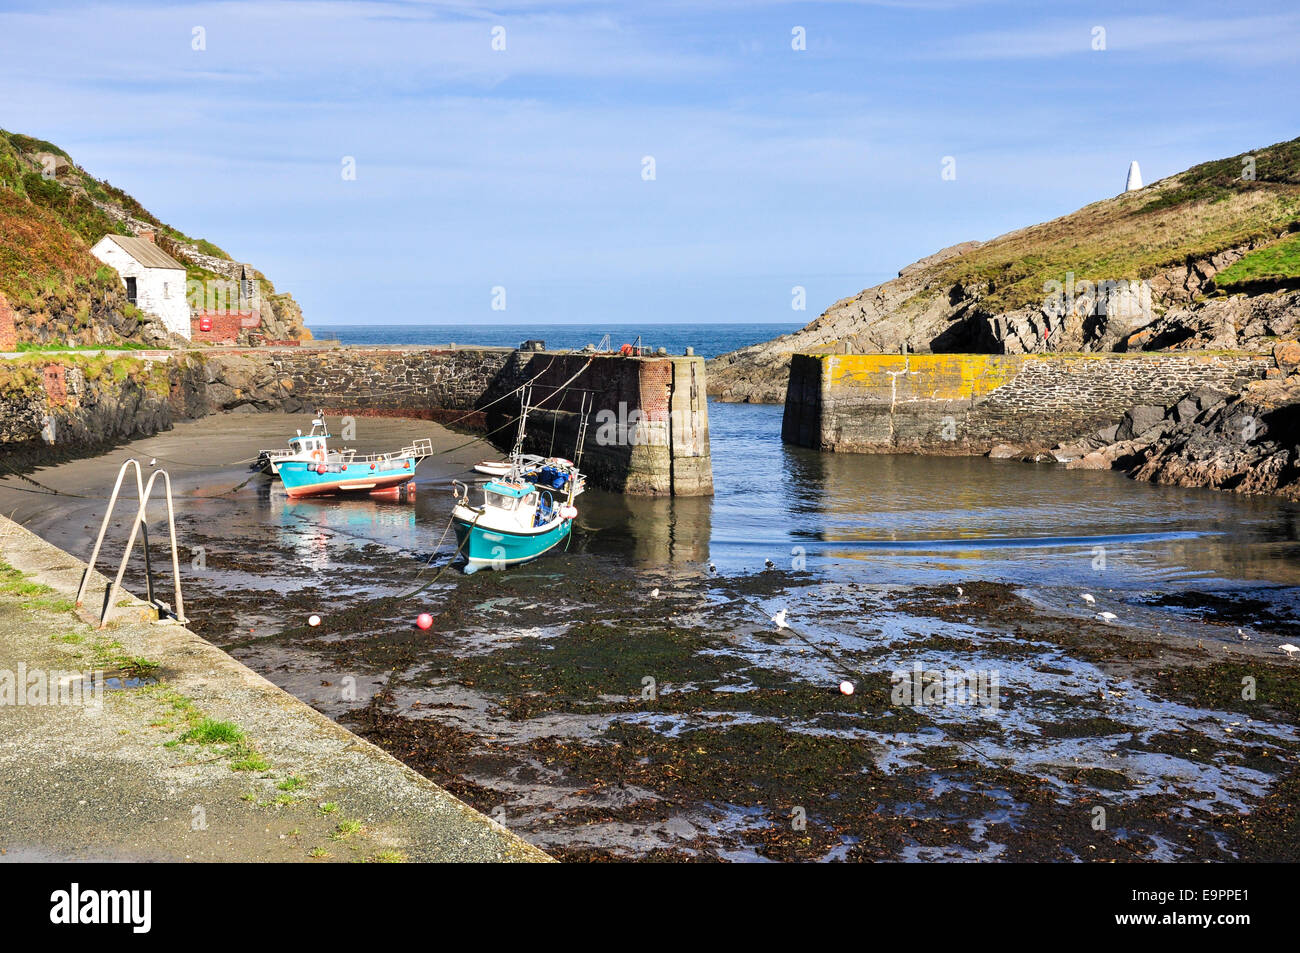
x,y
500,468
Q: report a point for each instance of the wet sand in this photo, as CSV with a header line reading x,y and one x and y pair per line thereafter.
x,y
601,721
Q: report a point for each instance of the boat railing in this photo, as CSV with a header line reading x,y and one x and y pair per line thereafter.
x,y
418,449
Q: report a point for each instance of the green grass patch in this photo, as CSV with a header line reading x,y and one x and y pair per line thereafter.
x,y
346,829
1276,263
210,731
121,345
252,761
138,667
49,605
20,588
290,784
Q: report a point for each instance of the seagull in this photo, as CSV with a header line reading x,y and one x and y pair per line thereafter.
x,y
1243,636
1089,598
779,619
768,563
153,461
1108,616
654,593
1289,649
961,591
712,568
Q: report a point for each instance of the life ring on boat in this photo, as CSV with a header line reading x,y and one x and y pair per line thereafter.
x,y
317,456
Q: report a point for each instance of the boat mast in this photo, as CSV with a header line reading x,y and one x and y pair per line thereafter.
x,y
525,398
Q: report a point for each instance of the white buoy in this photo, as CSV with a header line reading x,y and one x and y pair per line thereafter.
x,y
1134,177
1089,598
779,619
846,687
313,620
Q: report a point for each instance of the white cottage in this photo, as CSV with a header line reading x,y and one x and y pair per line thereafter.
x,y
155,281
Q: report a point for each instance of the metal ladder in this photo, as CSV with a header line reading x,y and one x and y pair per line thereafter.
x,y
143,492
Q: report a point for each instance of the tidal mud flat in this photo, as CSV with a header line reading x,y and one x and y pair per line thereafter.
x,y
531,699
614,708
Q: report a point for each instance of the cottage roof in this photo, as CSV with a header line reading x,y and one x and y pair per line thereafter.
x,y
145,252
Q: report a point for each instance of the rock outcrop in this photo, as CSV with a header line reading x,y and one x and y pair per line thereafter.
x,y
1247,442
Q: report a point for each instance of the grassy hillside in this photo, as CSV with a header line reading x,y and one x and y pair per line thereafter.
x,y
51,213
1192,215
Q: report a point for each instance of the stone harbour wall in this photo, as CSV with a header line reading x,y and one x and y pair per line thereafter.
x,y
968,403
648,422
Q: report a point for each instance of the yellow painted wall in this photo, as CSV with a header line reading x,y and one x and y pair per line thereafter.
x,y
937,376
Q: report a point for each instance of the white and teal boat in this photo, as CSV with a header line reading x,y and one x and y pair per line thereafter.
x,y
516,522
525,512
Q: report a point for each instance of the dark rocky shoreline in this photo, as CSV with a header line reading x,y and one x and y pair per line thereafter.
x,y
1244,443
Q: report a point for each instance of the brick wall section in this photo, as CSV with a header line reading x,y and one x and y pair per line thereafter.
x,y
56,385
8,331
225,325
894,403
656,385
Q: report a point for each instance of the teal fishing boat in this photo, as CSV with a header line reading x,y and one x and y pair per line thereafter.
x,y
525,512
516,522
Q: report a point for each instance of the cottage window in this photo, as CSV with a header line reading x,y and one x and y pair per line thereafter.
x,y
130,290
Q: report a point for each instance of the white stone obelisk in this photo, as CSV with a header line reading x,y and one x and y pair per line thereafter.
x,y
1134,177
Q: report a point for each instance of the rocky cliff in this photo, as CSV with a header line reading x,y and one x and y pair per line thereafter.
x,y
1208,258
1247,442
51,212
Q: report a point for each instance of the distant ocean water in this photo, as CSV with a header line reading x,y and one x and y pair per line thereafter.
x,y
709,340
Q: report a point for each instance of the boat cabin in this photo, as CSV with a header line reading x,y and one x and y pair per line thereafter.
x,y
529,505
310,443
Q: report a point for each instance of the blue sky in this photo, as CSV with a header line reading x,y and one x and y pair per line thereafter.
x,y
523,168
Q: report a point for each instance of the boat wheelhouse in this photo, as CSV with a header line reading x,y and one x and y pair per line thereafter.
x,y
312,447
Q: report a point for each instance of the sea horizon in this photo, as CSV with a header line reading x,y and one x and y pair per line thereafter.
x,y
705,340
